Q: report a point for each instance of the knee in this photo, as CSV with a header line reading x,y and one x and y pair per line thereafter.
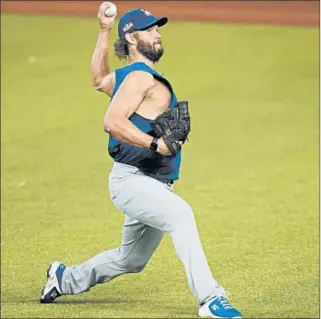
x,y
136,264
184,220
188,212
186,215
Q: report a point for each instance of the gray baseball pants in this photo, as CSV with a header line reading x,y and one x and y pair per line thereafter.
x,y
151,209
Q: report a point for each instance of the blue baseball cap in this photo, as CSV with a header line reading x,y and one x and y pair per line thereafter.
x,y
138,19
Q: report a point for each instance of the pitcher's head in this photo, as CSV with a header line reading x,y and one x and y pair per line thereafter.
x,y
138,33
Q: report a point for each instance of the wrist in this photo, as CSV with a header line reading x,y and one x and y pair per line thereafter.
x,y
154,144
104,30
161,147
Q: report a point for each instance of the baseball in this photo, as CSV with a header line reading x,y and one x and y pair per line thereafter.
x,y
111,10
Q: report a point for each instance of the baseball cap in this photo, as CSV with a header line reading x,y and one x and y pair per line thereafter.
x,y
138,19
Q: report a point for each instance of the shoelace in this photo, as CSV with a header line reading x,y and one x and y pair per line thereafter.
x,y
223,301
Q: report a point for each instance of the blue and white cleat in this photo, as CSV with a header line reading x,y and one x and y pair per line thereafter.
x,y
52,289
218,307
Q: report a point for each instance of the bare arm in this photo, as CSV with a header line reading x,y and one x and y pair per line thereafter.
x,y
102,79
125,102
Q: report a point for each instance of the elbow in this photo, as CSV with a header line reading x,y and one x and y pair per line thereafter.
x,y
95,83
111,126
108,126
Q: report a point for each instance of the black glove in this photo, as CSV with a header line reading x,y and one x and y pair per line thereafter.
x,y
173,126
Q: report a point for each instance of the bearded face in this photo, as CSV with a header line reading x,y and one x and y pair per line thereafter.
x,y
150,48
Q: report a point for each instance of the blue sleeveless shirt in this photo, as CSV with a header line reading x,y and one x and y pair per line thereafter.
x,y
151,163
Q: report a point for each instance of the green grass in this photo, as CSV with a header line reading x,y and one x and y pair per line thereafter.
x,y
250,170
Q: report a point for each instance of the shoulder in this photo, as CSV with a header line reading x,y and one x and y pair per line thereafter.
x,y
140,78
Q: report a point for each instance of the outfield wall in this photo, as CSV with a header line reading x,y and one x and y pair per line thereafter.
x,y
304,13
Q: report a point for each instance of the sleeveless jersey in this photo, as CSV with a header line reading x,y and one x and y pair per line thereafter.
x,y
149,162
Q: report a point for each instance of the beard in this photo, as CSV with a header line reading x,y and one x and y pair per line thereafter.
x,y
149,51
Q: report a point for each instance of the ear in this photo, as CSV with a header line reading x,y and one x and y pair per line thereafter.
x,y
130,38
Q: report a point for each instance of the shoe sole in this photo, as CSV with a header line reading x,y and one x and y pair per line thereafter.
x,y
212,316
218,317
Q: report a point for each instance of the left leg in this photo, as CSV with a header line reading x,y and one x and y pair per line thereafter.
x,y
138,244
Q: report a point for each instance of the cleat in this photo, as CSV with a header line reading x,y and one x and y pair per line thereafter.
x,y
218,307
52,289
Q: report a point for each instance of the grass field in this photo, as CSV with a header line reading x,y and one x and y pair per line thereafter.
x,y
250,170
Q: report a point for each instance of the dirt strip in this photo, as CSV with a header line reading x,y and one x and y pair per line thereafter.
x,y
302,13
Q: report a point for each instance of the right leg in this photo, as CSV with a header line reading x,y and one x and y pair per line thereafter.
x,y
154,204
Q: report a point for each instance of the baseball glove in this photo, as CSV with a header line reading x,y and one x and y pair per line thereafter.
x,y
173,126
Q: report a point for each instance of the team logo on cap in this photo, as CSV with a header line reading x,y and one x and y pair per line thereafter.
x,y
128,26
146,12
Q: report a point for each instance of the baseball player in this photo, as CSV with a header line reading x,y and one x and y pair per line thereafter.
x,y
147,129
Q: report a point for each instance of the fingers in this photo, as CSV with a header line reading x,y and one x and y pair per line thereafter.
x,y
104,6
102,9
106,22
